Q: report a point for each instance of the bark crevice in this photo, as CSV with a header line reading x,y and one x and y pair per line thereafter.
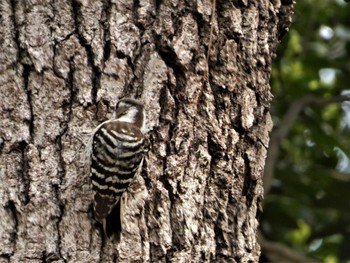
x,y
57,193
25,75
11,208
107,45
95,70
23,175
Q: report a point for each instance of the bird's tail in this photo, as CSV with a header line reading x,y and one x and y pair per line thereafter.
x,y
112,224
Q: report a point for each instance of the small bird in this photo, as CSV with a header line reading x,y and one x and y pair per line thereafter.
x,y
115,153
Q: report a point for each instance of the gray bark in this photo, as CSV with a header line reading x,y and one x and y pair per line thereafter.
x,y
64,64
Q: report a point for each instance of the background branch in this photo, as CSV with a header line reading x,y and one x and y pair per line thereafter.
x,y
277,252
286,124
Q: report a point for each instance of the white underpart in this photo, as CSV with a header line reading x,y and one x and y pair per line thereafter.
x,y
143,127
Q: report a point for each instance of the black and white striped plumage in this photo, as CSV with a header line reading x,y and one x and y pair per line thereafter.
x,y
115,154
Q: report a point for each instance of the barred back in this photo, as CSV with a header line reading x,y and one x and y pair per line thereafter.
x,y
117,151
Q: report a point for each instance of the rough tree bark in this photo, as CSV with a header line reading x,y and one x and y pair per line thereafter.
x,y
64,64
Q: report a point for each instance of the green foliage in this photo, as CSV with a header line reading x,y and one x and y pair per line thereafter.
x,y
308,206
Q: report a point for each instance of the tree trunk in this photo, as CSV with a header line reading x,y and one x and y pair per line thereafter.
x,y
64,65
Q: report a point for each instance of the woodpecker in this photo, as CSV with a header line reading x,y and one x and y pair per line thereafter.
x,y
115,153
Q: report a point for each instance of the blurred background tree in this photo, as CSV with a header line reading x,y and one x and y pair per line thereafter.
x,y
307,175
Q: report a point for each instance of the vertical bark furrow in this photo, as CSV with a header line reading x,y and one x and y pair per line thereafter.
x,y
25,75
57,193
88,32
9,31
106,16
23,177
